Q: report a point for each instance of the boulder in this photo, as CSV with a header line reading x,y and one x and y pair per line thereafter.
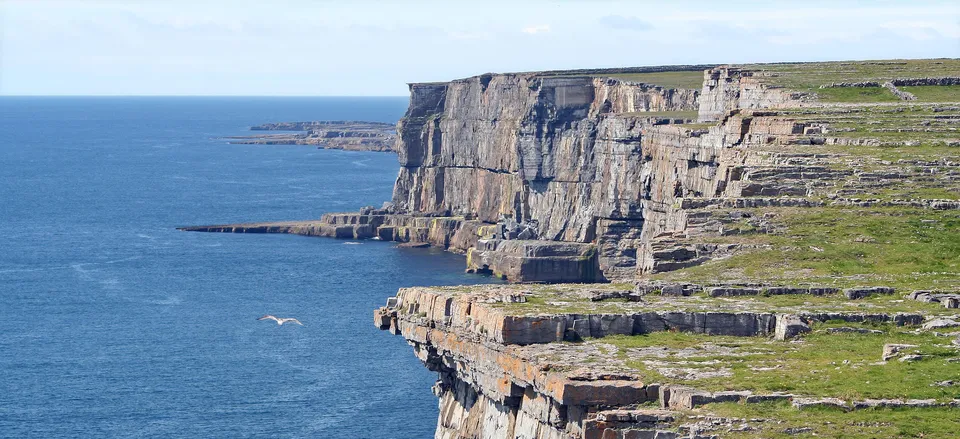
x,y
892,350
789,326
861,292
804,403
940,323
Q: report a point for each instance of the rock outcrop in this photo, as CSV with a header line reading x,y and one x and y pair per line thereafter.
x,y
335,134
526,362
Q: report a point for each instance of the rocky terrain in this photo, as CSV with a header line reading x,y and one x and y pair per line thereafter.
x,y
337,134
615,361
783,242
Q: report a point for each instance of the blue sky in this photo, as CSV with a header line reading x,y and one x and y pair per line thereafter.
x,y
309,48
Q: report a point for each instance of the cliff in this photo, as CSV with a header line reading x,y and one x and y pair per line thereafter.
x,y
785,238
792,256
574,361
603,175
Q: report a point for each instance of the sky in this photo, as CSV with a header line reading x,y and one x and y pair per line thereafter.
x,y
369,48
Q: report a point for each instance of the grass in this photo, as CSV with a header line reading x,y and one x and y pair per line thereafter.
x,y
856,94
698,126
810,76
688,80
893,153
843,365
916,123
834,423
895,246
935,93
539,303
904,192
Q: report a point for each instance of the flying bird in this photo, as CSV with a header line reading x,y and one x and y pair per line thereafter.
x,y
280,320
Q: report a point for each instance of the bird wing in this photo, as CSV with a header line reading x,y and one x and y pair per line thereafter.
x,y
269,317
293,320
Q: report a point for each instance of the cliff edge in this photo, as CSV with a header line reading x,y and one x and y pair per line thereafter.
x,y
777,246
787,254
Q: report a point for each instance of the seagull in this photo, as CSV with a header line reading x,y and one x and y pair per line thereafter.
x,y
281,321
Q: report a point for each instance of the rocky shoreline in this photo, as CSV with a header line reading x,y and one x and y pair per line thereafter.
x,y
345,135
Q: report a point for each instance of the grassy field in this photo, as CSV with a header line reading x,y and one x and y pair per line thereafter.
x,y
928,423
901,247
555,299
935,93
810,76
688,80
842,365
856,94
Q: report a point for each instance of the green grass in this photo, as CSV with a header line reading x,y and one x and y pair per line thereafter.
x,y
843,365
688,80
698,126
927,423
935,93
848,246
889,304
905,192
923,151
856,94
921,125
810,76
539,303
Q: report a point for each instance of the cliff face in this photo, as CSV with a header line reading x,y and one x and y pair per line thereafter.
x,y
528,148
727,89
777,217
581,179
502,372
553,178
562,154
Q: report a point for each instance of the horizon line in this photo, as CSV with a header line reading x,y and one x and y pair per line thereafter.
x,y
191,96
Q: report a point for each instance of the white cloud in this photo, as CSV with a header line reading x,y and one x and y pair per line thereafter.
x,y
536,29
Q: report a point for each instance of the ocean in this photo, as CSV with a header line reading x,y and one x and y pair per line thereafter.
x,y
114,324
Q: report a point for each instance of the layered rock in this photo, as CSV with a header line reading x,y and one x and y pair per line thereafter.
x,y
527,147
560,152
577,177
728,88
604,180
503,373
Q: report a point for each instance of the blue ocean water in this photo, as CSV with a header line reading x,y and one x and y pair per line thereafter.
x,y
114,324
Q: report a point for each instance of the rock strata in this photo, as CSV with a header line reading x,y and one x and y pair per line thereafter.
x,y
750,249
520,360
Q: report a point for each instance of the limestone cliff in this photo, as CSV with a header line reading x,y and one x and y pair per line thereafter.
x,y
585,160
788,221
556,150
590,176
560,153
738,234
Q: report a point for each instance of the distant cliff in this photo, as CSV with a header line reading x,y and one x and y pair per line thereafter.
x,y
332,134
